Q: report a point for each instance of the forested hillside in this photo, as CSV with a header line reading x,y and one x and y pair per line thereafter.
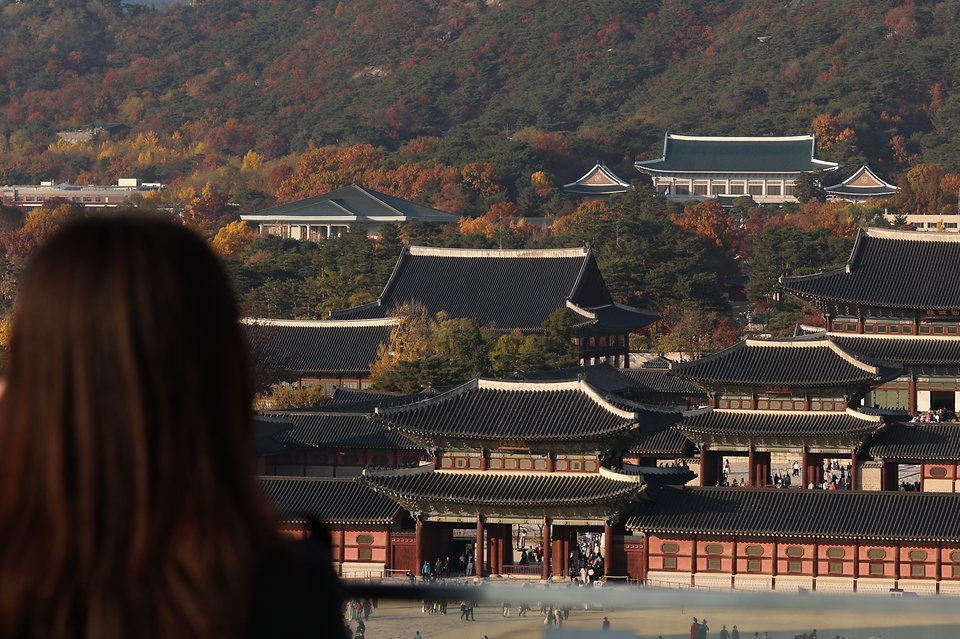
x,y
520,85
483,109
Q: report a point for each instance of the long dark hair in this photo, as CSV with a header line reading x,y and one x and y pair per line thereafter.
x,y
127,505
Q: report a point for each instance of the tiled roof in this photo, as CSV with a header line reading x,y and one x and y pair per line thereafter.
x,y
601,376
507,288
837,514
424,489
349,204
792,363
892,269
658,380
805,329
669,441
918,442
863,183
598,181
331,501
699,154
315,429
306,346
917,349
343,395
268,431
545,414
724,425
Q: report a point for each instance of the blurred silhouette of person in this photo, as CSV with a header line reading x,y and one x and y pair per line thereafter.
x,y
127,502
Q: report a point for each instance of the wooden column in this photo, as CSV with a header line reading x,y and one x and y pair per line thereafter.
x,y
776,566
750,467
646,560
607,547
483,460
479,548
856,560
550,464
343,548
759,469
889,475
854,471
939,565
545,573
388,564
912,392
693,561
419,548
711,467
733,565
816,562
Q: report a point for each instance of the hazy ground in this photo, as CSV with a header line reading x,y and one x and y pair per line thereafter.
x,y
891,619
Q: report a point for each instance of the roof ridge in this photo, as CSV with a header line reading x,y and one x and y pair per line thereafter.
x,y
386,321
850,358
472,384
741,138
433,251
679,366
603,402
370,194
910,338
896,234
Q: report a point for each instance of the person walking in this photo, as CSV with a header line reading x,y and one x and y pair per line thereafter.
x,y
736,633
724,634
702,630
606,624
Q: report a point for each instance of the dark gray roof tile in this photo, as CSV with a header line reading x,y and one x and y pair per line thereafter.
x,y
505,288
322,346
316,429
836,514
891,269
328,500
792,363
701,154
534,412
918,442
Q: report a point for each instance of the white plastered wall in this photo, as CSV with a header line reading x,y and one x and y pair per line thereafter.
x,y
923,400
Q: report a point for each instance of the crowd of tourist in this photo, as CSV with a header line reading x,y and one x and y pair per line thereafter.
x,y
933,416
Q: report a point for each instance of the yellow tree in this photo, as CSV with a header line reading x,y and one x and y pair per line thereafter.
x,y
232,238
410,340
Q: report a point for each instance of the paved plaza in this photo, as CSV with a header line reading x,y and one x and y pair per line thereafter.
x,y
879,616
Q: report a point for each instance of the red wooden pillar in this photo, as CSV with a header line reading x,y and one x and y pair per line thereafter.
x,y
693,561
483,460
550,464
565,549
479,547
751,463
854,471
776,558
759,468
545,573
912,392
710,467
889,475
419,548
607,547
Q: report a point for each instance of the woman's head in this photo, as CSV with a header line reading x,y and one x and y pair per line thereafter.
x,y
125,429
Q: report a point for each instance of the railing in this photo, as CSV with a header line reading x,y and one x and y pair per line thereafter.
x,y
522,570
